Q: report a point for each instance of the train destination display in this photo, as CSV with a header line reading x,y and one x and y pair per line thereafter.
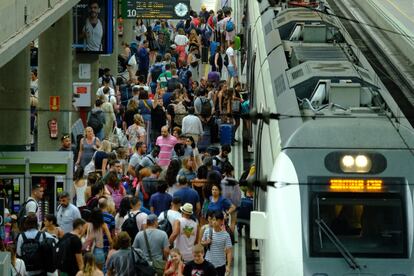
x,y
150,9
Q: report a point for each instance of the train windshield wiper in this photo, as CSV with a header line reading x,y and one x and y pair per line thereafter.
x,y
338,244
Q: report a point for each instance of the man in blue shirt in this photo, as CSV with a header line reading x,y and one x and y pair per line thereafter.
x,y
143,60
187,194
66,213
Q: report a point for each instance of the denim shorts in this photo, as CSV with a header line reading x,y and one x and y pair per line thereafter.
x,y
232,71
99,255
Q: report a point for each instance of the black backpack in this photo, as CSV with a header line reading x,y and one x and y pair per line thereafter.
x,y
205,107
61,252
184,77
130,225
226,60
30,252
172,84
48,248
156,72
95,122
165,224
22,213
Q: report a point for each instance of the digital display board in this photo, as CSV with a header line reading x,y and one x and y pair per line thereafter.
x,y
356,184
93,26
153,9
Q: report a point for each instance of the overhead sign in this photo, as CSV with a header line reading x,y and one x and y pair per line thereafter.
x,y
83,94
54,103
156,9
93,26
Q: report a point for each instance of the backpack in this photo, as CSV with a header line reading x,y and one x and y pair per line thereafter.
x,y
179,113
165,224
172,84
184,78
237,42
117,195
226,60
61,253
229,25
205,107
219,163
130,225
95,122
156,72
48,249
206,35
22,213
31,252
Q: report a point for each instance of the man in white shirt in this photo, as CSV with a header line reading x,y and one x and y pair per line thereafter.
x,y
66,213
135,209
192,125
100,91
107,75
32,202
232,67
136,158
173,214
93,29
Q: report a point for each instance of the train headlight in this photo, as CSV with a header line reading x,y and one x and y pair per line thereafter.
x,y
361,161
348,161
355,164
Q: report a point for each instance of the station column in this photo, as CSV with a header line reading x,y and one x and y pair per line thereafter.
x,y
15,103
55,83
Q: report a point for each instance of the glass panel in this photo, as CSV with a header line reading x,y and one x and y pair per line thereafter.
x,y
367,226
319,95
297,33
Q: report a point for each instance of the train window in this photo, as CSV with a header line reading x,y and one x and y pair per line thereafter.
x,y
367,225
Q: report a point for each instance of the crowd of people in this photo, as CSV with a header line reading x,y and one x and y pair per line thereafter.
x,y
153,190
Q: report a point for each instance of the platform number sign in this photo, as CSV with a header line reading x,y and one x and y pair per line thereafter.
x,y
153,9
2,203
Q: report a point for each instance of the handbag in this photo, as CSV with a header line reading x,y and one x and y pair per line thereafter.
x,y
158,265
235,106
141,265
89,244
90,167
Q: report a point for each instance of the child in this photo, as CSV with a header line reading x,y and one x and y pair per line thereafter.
x,y
175,265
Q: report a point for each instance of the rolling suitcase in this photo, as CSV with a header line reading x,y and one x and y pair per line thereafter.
x,y
205,140
226,134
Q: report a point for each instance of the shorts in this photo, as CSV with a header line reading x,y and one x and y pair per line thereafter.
x,y
232,71
99,255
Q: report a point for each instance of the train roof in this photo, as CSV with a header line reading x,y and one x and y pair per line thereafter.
x,y
353,132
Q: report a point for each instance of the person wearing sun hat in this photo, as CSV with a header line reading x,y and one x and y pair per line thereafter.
x,y
184,233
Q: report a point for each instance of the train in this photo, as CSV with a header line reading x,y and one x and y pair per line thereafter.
x,y
335,161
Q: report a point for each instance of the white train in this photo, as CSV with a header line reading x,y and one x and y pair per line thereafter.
x,y
339,161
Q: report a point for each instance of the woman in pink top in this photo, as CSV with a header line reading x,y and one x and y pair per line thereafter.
x,y
166,142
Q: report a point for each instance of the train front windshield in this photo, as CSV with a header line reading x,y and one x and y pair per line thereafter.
x,y
368,224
